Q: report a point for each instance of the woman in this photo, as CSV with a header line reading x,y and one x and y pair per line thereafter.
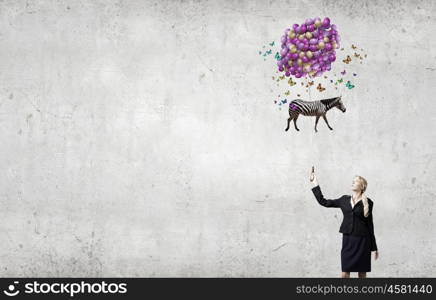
x,y
357,227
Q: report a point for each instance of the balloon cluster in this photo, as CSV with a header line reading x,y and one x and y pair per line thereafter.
x,y
308,48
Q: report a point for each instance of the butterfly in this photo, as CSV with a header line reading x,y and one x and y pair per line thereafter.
x,y
340,80
272,43
343,72
331,81
347,60
310,83
291,82
284,101
269,51
287,93
320,88
260,52
356,54
278,56
354,47
275,101
349,85
298,95
354,74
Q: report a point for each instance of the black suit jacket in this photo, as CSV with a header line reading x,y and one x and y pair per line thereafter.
x,y
354,221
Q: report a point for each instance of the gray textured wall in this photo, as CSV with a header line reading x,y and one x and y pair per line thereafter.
x,y
139,138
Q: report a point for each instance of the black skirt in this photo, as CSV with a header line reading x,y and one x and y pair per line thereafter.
x,y
356,253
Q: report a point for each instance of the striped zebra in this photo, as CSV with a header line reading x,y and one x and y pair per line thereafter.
x,y
313,108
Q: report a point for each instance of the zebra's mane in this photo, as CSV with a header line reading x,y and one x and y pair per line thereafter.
x,y
329,100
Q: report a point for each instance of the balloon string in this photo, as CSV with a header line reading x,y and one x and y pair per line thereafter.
x,y
310,96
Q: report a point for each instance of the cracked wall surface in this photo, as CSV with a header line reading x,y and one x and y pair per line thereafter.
x,y
140,138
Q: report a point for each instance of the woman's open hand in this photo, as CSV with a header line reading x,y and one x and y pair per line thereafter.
x,y
313,177
376,255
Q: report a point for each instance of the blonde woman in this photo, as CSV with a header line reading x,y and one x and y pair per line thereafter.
x,y
357,228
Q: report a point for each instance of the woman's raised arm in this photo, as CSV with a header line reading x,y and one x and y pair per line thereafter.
x,y
318,193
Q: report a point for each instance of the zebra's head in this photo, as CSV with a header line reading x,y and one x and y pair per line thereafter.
x,y
339,105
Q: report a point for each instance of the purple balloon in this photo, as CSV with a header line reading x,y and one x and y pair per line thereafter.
x,y
295,26
281,69
313,41
328,47
332,57
300,45
315,33
284,51
311,28
294,56
306,47
303,28
313,48
283,39
287,74
305,59
288,56
279,63
326,23
298,75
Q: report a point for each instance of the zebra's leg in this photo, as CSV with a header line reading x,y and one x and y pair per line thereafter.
x,y
316,122
295,122
325,119
289,121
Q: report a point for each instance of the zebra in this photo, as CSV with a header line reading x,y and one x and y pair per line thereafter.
x,y
313,108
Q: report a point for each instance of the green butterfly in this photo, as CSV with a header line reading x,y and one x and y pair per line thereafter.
x,y
271,44
349,85
340,80
278,56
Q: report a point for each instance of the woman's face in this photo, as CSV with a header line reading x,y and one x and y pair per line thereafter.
x,y
355,186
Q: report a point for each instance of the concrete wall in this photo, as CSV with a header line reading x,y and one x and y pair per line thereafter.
x,y
140,138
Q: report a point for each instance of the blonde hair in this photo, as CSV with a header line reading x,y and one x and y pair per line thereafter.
x,y
364,185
